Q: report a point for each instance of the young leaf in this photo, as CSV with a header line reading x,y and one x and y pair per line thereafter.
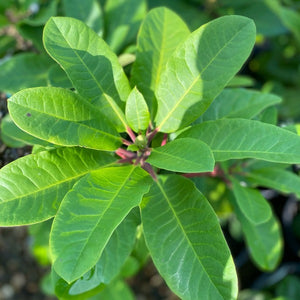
x,y
200,68
264,240
137,113
123,19
88,11
277,179
46,177
24,71
185,241
251,203
239,103
240,138
183,155
61,117
161,32
90,213
92,67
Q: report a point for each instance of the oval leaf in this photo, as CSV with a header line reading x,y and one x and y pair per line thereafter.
x,y
252,204
240,138
183,155
24,71
62,117
137,113
161,32
46,177
264,240
186,242
90,213
200,68
92,67
239,103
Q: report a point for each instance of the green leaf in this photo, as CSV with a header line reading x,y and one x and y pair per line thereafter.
x,y
193,16
107,268
263,240
200,68
137,113
88,11
240,138
123,19
115,291
160,34
46,177
58,78
33,34
13,136
239,103
251,203
277,179
92,67
289,18
183,155
24,71
90,213
241,81
41,17
61,117
186,242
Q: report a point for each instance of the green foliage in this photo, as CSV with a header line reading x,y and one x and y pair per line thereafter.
x,y
108,140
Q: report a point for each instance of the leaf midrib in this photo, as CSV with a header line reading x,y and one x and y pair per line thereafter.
x,y
184,234
197,78
99,221
55,184
87,68
71,121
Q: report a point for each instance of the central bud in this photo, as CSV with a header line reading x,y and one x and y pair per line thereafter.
x,y
141,142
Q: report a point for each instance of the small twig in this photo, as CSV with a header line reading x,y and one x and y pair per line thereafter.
x,y
165,139
125,153
147,167
151,135
127,143
131,134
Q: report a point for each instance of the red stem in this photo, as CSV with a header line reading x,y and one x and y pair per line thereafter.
x,y
131,134
165,139
151,135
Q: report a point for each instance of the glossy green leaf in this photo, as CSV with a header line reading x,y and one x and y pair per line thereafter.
x,y
61,117
46,177
90,213
241,138
137,113
186,242
92,67
58,78
88,11
263,240
24,71
277,179
251,203
107,268
13,136
239,103
183,155
123,19
200,68
160,34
